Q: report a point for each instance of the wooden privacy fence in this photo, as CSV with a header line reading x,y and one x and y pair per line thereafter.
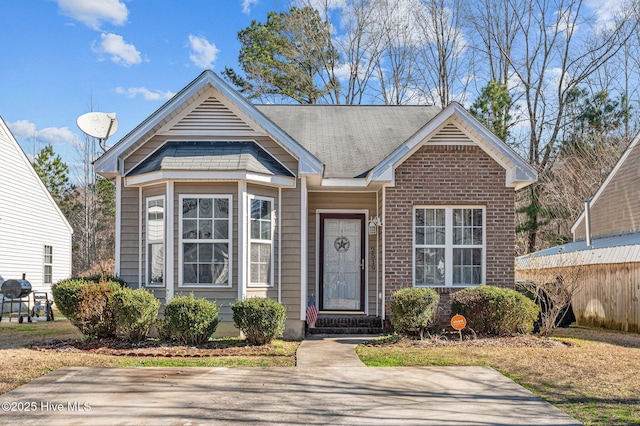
x,y
607,295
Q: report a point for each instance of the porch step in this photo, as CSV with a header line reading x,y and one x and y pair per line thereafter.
x,y
346,324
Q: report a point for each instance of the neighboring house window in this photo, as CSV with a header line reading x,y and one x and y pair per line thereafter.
x,y
205,233
48,265
261,242
155,241
448,246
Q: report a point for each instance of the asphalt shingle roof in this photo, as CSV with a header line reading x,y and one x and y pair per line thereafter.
x,y
349,140
212,156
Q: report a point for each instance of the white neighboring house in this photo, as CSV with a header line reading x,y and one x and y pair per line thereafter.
x,y
35,237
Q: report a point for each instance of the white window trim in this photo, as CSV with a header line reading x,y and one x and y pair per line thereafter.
x,y
448,246
147,271
45,264
228,241
251,284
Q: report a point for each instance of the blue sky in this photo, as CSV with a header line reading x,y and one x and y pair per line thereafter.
x,y
63,58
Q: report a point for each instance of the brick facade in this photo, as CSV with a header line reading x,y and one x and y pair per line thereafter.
x,y
448,176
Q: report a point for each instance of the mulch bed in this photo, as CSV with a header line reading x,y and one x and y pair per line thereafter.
x,y
152,348
520,341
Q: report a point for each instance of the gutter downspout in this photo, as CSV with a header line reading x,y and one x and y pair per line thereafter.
x,y
587,222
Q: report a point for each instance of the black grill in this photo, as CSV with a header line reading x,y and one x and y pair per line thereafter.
x,y
16,292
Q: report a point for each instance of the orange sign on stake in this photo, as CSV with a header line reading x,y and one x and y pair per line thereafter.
x,y
458,322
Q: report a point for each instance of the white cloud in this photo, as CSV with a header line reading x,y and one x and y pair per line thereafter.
x,y
607,11
48,135
247,4
122,53
93,12
147,94
23,129
203,53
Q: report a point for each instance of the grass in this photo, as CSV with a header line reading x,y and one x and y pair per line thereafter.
x,y
594,377
20,365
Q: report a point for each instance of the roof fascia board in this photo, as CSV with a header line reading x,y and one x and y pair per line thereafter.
x,y
308,163
147,178
33,173
606,182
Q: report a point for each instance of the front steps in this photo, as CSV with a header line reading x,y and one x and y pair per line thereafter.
x,y
346,324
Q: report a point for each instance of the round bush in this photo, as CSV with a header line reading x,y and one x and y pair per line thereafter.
x,y
189,321
414,310
135,311
260,319
87,305
495,310
65,295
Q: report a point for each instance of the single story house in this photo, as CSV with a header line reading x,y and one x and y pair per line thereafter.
x,y
228,200
36,237
605,251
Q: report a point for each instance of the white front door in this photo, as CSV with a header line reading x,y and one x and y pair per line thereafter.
x,y
342,262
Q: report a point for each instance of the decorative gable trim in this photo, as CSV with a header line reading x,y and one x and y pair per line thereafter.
x,y
107,164
519,173
606,182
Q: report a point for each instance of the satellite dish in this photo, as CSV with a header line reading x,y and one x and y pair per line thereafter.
x,y
99,125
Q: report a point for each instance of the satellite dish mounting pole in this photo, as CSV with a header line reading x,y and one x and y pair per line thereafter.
x,y
101,141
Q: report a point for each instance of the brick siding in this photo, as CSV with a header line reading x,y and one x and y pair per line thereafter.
x,y
448,176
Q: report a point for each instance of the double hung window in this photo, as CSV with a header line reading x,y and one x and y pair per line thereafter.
x,y
205,240
261,241
449,246
155,241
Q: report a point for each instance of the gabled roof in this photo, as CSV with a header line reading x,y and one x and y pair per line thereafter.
x,y
108,162
340,145
519,172
635,144
211,156
349,139
6,134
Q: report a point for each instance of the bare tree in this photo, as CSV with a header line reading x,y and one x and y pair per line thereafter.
x,y
440,50
552,58
552,281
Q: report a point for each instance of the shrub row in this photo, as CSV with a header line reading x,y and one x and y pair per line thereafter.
x,y
488,310
102,308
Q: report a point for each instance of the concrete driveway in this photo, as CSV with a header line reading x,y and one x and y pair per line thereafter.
x,y
289,395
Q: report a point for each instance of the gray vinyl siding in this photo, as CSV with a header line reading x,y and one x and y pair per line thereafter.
x,y
291,248
129,236
341,201
617,209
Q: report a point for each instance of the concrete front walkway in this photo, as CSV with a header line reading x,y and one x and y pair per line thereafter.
x,y
346,392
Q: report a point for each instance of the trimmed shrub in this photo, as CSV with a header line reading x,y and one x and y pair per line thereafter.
x,y
189,321
495,310
87,305
96,278
260,319
135,311
65,295
414,310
